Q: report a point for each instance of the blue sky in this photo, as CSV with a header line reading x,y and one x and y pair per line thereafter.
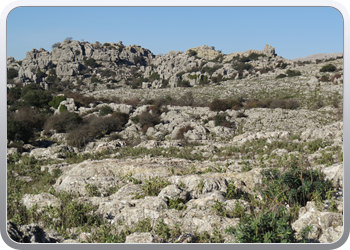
x,y
293,31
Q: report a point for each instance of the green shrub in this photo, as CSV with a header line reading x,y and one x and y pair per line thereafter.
x,y
154,76
192,52
292,73
210,70
30,87
51,79
37,98
255,56
220,120
184,83
176,204
233,193
40,74
328,68
244,59
284,65
106,73
12,73
281,76
295,186
154,185
55,102
138,60
268,227
94,79
91,62
135,119
63,108
204,80
105,110
16,130
14,93
243,66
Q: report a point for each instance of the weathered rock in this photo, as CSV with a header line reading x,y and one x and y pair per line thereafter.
x,y
32,233
42,200
309,215
144,238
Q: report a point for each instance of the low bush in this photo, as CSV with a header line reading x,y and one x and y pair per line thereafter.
x,y
295,186
154,185
91,63
37,98
252,103
154,76
184,83
243,66
138,60
324,78
94,79
79,136
217,78
55,102
40,74
147,118
122,118
180,133
219,105
133,102
281,76
14,93
278,104
210,70
292,73
268,227
105,110
220,120
328,68
192,52
31,117
255,56
187,99
63,108
17,131
336,76
12,73
63,122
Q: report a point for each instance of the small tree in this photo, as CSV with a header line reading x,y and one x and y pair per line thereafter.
x,y
68,39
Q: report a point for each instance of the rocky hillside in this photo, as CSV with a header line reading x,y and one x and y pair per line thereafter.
x,y
113,144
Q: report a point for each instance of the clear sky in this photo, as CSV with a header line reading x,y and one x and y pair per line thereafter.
x,y
293,31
